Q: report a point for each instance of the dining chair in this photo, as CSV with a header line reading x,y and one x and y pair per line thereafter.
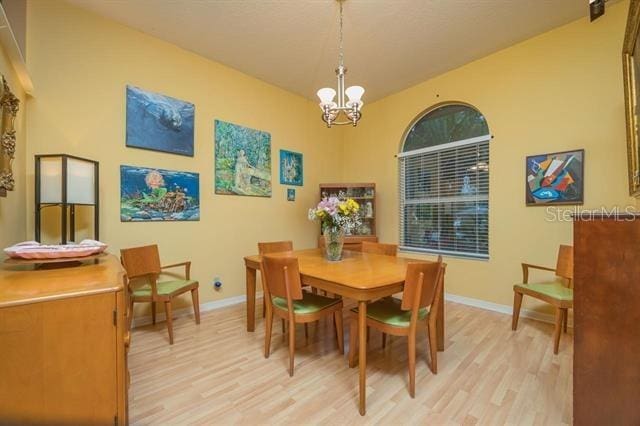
x,y
558,292
380,248
142,265
384,249
285,299
419,304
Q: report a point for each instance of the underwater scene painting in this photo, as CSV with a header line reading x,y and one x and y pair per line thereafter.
x,y
556,178
158,195
159,122
290,168
243,160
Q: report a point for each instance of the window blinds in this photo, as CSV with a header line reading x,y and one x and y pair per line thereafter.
x,y
444,198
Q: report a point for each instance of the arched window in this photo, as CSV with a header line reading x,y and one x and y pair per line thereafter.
x,y
444,183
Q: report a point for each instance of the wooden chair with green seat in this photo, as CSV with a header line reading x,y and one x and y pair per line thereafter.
x,y
380,248
386,250
285,299
558,293
420,300
143,269
273,247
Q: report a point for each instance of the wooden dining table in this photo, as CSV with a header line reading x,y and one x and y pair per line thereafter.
x,y
363,277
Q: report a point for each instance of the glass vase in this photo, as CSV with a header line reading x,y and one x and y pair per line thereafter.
x,y
333,242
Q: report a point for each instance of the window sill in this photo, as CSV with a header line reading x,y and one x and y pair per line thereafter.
x,y
444,253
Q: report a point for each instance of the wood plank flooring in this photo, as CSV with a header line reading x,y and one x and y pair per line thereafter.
x,y
215,373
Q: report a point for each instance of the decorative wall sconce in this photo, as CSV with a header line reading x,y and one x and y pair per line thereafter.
x,y
9,106
66,181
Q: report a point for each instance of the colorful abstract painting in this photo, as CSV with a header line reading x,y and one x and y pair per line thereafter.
x,y
290,168
243,160
158,195
159,123
556,178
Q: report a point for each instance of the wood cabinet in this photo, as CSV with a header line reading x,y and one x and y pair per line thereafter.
x,y
606,366
365,195
62,343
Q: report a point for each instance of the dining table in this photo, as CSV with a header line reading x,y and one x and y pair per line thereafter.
x,y
363,277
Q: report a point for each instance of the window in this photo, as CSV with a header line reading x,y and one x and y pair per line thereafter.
x,y
444,183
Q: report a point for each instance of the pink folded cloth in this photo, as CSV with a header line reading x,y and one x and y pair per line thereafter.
x,y
35,250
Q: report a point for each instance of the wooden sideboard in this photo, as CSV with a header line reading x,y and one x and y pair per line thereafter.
x,y
63,343
606,364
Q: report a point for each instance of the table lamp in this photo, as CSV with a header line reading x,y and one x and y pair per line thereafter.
x,y
66,181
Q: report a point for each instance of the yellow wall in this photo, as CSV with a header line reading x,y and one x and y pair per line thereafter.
x,y
80,64
12,208
558,91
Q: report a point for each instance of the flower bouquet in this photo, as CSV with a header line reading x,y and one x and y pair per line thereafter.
x,y
338,216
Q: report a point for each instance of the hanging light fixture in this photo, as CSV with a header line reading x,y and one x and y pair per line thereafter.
x,y
342,112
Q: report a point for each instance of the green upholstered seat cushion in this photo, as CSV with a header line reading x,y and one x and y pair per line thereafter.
x,y
164,288
388,311
309,303
551,289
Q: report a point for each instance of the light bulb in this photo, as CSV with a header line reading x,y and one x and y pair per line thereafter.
x,y
326,95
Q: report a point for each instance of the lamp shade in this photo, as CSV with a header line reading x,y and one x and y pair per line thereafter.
x,y
51,180
326,96
354,93
80,185
81,179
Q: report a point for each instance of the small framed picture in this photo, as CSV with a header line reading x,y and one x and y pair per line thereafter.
x,y
291,168
556,178
291,194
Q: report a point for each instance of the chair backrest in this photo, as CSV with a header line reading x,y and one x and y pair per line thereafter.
x,y
428,276
564,267
275,247
380,248
278,271
141,261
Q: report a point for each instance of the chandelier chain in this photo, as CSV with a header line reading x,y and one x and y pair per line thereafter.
x,y
341,54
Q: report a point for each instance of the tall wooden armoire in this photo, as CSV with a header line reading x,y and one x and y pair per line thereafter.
x,y
606,366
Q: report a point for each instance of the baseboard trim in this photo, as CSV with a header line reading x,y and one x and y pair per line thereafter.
x,y
463,300
204,307
503,309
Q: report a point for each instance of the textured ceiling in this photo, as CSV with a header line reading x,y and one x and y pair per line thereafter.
x,y
389,44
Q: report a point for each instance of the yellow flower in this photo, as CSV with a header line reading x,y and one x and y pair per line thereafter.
x,y
320,214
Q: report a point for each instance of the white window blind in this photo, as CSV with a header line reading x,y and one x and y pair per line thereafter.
x,y
444,198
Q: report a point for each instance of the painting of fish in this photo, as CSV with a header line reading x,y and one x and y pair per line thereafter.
x,y
159,123
556,178
148,195
242,160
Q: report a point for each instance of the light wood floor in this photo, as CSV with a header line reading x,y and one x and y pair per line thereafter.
x,y
215,373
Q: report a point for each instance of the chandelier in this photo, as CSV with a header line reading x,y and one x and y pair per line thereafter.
x,y
342,112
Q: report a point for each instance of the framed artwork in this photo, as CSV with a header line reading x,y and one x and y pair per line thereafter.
x,y
291,194
243,160
631,78
159,123
149,195
556,178
290,168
